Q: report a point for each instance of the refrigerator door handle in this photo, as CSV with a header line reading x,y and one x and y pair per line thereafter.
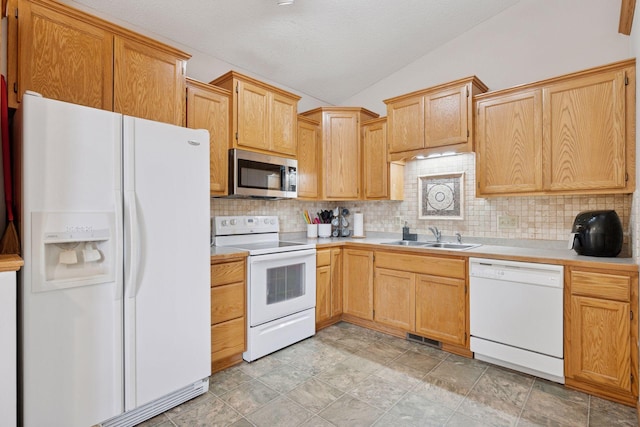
x,y
133,245
119,291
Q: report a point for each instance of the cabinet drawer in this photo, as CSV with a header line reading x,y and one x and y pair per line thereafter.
x,y
323,257
227,338
426,264
600,285
227,302
229,272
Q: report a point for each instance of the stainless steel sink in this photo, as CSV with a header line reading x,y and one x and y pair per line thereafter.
x,y
451,245
405,243
435,245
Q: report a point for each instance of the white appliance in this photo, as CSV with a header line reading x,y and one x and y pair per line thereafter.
x,y
516,316
114,291
281,282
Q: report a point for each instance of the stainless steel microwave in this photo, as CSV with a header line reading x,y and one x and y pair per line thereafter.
x,y
261,175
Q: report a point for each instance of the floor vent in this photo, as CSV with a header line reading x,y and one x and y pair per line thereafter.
x,y
423,340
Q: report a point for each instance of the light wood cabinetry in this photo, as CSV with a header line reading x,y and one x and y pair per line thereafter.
x,y
308,159
148,83
358,283
422,294
228,312
433,120
65,54
381,179
601,332
340,150
264,117
328,287
573,134
208,108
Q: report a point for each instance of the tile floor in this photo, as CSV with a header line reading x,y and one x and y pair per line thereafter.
x,y
350,376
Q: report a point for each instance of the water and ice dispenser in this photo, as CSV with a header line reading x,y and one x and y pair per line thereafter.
x,y
72,249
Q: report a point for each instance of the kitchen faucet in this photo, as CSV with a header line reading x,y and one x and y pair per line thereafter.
x,y
437,233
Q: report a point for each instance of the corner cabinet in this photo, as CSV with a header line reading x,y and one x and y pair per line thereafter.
x,y
68,55
573,134
264,117
208,108
433,120
328,287
601,332
308,159
340,150
381,179
228,311
358,283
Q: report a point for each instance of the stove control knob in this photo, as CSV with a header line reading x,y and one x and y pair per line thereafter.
x,y
233,222
266,220
224,223
273,221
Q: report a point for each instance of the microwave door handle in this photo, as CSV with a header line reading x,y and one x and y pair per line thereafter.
x,y
284,174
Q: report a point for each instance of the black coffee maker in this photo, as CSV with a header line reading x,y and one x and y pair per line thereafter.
x,y
597,233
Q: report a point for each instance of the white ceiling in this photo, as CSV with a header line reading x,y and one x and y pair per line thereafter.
x,y
328,49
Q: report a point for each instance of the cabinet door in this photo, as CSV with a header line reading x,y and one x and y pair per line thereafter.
x,y
446,117
375,163
148,83
209,109
394,296
441,309
584,133
509,144
60,57
323,293
336,282
600,342
252,116
283,125
358,283
341,170
308,161
406,125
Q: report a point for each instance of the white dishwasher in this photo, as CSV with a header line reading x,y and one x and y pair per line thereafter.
x,y
516,316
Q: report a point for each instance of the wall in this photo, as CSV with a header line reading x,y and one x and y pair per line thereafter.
x,y
530,41
540,217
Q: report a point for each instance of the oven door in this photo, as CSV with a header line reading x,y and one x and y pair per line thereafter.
x,y
281,284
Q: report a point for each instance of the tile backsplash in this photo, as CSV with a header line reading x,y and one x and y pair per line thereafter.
x,y
539,217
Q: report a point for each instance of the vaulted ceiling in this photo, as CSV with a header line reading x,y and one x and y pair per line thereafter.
x,y
329,49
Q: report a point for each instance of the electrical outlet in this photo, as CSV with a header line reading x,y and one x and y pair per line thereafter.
x,y
507,222
398,220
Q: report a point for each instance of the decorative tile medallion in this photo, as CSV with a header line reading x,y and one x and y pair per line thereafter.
x,y
441,196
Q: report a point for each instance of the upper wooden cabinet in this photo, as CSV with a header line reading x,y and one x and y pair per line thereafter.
x,y
573,134
264,117
381,179
340,150
308,158
208,108
433,120
65,54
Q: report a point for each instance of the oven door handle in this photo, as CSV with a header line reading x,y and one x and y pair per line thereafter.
x,y
291,255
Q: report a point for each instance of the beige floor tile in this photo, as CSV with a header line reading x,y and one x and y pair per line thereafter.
x,y
604,411
284,378
419,361
348,411
214,413
415,410
461,420
505,385
249,397
377,392
401,375
443,392
553,407
282,412
223,381
316,421
260,367
343,377
490,410
314,395
457,371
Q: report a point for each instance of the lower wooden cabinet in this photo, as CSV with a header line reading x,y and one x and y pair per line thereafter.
x,y
441,309
228,312
358,277
328,287
394,298
601,333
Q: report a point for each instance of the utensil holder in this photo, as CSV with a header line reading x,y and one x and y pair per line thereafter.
x,y
324,230
312,231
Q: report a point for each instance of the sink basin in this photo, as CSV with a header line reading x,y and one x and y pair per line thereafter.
x,y
451,245
405,243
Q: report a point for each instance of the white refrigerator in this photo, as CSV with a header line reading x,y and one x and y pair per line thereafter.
x,y
115,289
